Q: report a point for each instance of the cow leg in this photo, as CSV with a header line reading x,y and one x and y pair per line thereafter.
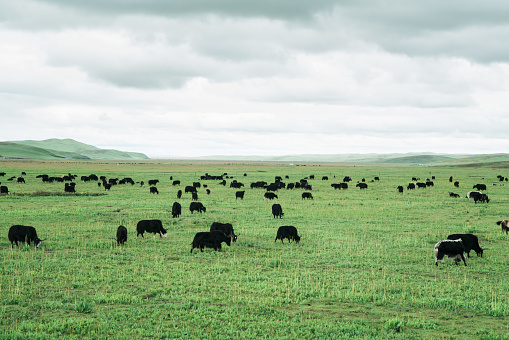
x,y
463,258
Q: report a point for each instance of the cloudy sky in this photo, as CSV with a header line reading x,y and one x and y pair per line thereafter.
x,y
242,77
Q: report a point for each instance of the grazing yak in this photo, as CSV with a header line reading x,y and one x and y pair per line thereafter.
x,y
478,196
153,181
239,194
479,187
197,206
190,188
470,242
153,190
210,239
21,233
150,226
277,210
362,185
70,187
176,210
307,195
269,195
121,235
453,249
289,232
226,228
505,225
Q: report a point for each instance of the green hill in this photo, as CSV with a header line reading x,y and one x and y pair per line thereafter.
x,y
62,149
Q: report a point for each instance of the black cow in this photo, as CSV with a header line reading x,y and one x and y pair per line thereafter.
x,y
21,233
289,232
362,185
194,196
179,194
236,185
478,197
176,210
197,206
190,188
470,241
505,225
421,185
176,183
479,187
150,226
410,186
4,189
307,195
453,249
70,187
277,210
239,194
347,179
210,239
452,194
121,235
153,181
400,188
153,190
457,184
269,195
20,180
226,228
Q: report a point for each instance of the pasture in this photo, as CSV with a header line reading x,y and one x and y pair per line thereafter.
x,y
364,267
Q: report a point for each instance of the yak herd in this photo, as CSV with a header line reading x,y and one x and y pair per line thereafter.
x,y
454,247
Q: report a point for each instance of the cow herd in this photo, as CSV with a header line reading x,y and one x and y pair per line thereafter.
x,y
454,247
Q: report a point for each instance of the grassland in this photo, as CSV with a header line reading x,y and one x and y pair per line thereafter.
x,y
363,269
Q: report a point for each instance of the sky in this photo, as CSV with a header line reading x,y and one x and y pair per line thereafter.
x,y
186,78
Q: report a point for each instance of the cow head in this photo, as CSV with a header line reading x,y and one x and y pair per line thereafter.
x,y
297,239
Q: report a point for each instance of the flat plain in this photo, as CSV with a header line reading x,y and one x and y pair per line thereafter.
x,y
364,268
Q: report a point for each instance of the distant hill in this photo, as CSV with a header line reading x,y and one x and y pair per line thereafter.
x,y
62,149
388,159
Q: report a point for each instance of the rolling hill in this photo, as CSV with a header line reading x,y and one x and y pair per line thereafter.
x,y
62,149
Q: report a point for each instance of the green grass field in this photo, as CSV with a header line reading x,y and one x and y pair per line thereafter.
x,y
364,267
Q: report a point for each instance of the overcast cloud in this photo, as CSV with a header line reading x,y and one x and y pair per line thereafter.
x,y
238,77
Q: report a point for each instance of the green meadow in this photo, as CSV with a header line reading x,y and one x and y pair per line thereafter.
x,y
364,267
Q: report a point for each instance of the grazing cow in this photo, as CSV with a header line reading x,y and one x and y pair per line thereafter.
x,y
325,178
179,194
121,235
410,186
197,206
20,180
470,241
277,210
457,184
307,195
289,232
197,184
150,226
226,228
478,197
4,189
400,188
106,186
479,187
269,195
175,183
421,185
207,191
194,196
377,178
452,194
239,194
430,184
70,187
505,225
190,188
176,210
236,185
362,185
153,181
453,249
21,233
347,179
153,190
450,179
210,239
290,186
